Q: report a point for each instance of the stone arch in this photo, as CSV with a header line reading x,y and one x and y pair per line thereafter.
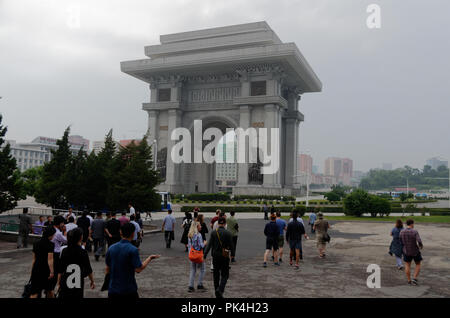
x,y
202,177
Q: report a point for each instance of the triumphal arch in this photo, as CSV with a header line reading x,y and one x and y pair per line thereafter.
x,y
228,77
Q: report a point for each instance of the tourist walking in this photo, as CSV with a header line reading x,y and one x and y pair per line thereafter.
x,y
59,239
204,229
69,214
122,262
294,233
112,230
74,260
196,245
281,227
266,212
49,221
272,232
186,226
233,227
25,228
123,219
312,219
214,219
84,224
220,243
137,231
98,235
71,224
412,244
131,208
396,247
42,269
322,237
168,227
38,227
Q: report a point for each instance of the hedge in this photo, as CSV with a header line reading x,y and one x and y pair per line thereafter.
x,y
238,208
243,208
208,197
263,197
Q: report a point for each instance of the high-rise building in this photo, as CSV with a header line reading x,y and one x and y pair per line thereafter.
x,y
226,172
305,164
339,168
28,157
436,162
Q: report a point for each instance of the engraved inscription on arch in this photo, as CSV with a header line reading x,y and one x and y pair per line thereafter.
x,y
213,94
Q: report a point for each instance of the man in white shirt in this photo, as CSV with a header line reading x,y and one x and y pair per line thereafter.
x,y
71,225
137,230
68,214
132,211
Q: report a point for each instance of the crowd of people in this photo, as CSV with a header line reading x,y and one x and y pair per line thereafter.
x,y
62,252
66,241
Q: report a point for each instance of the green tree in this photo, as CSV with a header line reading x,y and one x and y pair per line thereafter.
x,y
133,179
11,184
357,203
379,206
74,180
332,196
31,178
52,187
403,197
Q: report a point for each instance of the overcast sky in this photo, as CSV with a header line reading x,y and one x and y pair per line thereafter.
x,y
385,91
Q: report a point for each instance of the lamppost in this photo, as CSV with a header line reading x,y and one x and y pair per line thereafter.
x,y
155,142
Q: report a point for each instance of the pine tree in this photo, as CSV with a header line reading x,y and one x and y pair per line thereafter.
x,y
53,184
74,180
11,184
133,179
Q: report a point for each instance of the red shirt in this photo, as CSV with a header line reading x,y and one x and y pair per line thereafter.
x,y
214,219
123,219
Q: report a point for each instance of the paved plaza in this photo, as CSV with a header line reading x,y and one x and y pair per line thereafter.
x,y
354,245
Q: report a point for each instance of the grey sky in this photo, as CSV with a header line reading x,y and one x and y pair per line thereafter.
x,y
385,92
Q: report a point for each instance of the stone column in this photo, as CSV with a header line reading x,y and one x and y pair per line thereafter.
x,y
153,126
272,120
291,156
173,170
244,123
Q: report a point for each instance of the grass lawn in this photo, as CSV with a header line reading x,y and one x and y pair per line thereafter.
x,y
418,219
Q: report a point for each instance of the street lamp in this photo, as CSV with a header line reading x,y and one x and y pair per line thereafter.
x,y
155,142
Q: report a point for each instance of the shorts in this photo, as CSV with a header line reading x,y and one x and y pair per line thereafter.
x,y
295,244
417,259
272,243
281,241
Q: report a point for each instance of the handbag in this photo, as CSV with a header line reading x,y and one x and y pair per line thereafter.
x,y
27,290
195,256
225,252
327,238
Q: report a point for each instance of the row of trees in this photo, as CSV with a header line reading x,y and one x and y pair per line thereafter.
x,y
388,179
108,180
360,201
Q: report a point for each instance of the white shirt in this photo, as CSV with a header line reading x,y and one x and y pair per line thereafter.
x,y
298,220
71,226
90,218
137,229
132,211
216,225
